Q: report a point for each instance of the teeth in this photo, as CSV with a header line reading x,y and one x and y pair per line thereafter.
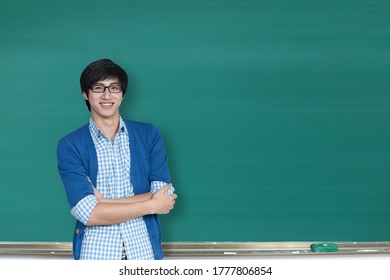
x,y
107,104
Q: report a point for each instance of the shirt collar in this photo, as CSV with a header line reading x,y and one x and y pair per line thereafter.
x,y
96,132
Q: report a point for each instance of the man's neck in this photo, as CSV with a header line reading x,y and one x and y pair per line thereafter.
x,y
109,126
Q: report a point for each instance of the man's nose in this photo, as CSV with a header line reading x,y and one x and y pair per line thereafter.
x,y
106,93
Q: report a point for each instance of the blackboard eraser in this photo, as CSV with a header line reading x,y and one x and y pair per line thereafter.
x,y
324,247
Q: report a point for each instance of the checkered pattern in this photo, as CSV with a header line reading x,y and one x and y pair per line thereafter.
x,y
113,181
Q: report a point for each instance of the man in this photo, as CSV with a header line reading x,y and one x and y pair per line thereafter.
x,y
115,174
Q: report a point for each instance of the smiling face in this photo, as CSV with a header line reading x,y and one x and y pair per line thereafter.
x,y
105,99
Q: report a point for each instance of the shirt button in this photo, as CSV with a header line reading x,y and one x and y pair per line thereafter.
x,y
77,231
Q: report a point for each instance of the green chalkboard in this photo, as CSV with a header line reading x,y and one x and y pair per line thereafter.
x,y
275,113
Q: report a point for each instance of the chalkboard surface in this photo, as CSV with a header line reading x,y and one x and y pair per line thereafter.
x,y
275,114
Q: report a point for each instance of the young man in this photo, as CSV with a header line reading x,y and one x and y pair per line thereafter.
x,y
115,174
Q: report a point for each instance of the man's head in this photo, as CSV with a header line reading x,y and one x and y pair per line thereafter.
x,y
101,70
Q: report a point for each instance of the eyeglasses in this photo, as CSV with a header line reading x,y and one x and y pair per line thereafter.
x,y
98,88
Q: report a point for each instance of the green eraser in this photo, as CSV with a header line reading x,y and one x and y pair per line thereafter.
x,y
324,247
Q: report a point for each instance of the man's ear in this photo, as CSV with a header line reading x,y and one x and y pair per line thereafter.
x,y
85,96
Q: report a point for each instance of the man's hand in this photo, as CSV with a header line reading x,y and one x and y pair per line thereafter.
x,y
98,195
162,202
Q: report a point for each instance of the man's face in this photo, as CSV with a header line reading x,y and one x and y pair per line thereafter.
x,y
105,98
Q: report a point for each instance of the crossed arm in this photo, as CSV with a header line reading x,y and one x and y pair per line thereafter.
x,y
112,211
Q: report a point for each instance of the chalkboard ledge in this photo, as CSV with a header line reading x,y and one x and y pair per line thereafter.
x,y
202,249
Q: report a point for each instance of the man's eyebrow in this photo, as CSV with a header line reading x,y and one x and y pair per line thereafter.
x,y
100,83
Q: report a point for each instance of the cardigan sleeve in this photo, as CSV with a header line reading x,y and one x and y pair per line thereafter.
x,y
73,172
158,159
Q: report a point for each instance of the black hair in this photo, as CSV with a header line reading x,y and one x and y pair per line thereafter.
x,y
101,70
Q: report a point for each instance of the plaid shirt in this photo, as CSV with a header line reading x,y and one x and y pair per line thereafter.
x,y
113,181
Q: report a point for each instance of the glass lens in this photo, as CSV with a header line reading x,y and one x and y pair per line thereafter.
x,y
98,88
115,88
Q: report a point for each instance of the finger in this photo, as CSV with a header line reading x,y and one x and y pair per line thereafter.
x,y
89,180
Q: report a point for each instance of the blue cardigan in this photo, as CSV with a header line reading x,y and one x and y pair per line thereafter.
x,y
77,161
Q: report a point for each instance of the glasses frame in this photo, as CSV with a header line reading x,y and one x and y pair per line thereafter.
x,y
105,87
